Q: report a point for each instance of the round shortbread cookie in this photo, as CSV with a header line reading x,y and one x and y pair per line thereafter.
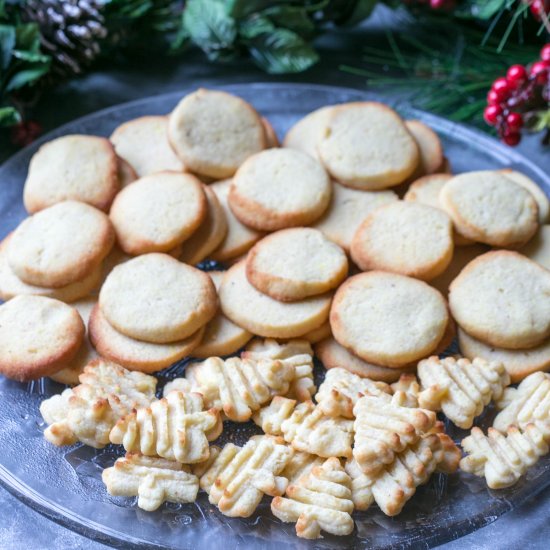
x,y
518,363
270,135
429,146
240,238
538,248
135,354
72,369
538,194
333,355
294,264
489,207
267,195
157,299
388,319
367,146
76,167
60,245
11,285
126,174
318,334
221,336
38,336
143,142
348,208
503,298
405,237
308,132
210,233
214,132
264,316
158,212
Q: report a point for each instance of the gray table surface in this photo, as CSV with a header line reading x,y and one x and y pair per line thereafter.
x,y
22,528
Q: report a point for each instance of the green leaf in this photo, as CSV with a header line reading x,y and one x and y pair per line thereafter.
x,y
293,18
210,27
480,9
539,121
27,76
282,51
361,11
31,56
255,26
9,116
28,37
7,43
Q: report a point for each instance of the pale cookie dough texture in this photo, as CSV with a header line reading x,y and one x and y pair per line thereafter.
x,y
76,167
51,249
405,237
539,195
262,315
538,248
158,212
348,208
429,146
367,146
279,188
143,143
491,208
155,298
38,336
388,319
503,299
214,132
293,264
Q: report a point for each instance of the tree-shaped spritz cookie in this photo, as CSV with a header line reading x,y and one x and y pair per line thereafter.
x,y
459,387
88,412
153,480
502,459
319,501
175,427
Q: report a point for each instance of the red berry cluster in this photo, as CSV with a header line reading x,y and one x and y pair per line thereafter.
x,y
539,8
514,94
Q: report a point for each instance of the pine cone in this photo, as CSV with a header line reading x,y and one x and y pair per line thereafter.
x,y
71,31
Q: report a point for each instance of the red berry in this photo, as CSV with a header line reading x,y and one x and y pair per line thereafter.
x,y
493,98
514,121
511,138
491,114
502,87
545,53
540,70
437,4
537,9
516,75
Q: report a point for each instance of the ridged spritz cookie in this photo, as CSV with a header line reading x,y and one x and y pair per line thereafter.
x,y
210,234
214,132
348,208
279,188
405,237
158,212
388,319
308,132
503,298
538,248
539,195
249,308
429,146
519,363
293,264
489,207
77,167
239,238
51,249
143,142
155,298
38,336
136,354
221,335
367,146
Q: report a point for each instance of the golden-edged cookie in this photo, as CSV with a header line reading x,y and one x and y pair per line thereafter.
x,y
503,298
538,248
405,237
158,212
214,132
489,207
262,315
348,208
367,146
429,146
74,167
38,336
266,194
239,238
271,139
136,354
143,142
539,195
50,248
296,263
388,319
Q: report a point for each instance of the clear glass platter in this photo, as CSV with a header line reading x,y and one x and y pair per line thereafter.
x,y
65,483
